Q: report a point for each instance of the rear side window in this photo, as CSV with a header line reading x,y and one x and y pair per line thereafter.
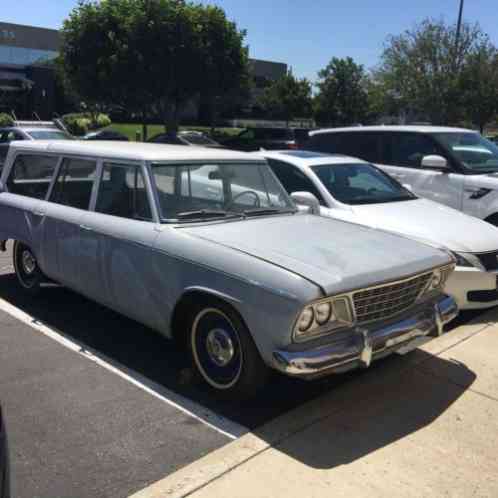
x,y
408,149
74,183
366,146
122,192
31,175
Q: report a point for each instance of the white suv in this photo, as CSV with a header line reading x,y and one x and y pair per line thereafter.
x,y
453,166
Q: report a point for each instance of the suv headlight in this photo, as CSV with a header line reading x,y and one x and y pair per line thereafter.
x,y
323,317
467,260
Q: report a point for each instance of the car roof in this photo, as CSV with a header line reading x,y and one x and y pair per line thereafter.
x,y
305,158
382,128
28,129
132,150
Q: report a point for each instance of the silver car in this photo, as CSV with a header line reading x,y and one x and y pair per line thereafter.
x,y
206,247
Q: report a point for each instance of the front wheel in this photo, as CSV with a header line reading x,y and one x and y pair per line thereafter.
x,y
26,267
224,353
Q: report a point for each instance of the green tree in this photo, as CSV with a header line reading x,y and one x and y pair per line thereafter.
x,y
149,55
423,68
342,97
287,98
224,61
479,81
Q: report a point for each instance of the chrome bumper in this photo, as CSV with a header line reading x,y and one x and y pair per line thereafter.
x,y
363,346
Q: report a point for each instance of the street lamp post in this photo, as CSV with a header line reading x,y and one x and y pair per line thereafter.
x,y
459,26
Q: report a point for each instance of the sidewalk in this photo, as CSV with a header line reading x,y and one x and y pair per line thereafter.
x,y
421,425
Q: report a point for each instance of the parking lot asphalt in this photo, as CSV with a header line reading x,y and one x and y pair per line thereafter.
x,y
109,405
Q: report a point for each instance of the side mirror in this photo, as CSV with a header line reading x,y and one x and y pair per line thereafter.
x,y
307,199
2,189
435,162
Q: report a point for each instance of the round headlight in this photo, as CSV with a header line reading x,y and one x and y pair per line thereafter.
x,y
323,312
306,319
436,279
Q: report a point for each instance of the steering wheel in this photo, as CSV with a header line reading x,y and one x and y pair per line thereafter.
x,y
245,192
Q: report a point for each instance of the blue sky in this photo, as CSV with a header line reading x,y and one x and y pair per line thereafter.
x,y
305,34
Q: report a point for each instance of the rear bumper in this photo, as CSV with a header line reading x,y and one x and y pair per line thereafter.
x,y
362,346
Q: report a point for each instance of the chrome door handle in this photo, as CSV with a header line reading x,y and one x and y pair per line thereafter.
x,y
86,227
38,213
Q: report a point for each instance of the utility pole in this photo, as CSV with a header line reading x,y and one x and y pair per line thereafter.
x,y
459,27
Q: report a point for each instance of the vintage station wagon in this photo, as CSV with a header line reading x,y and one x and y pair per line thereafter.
x,y
206,247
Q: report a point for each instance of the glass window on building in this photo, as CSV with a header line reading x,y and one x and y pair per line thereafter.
x,y
24,56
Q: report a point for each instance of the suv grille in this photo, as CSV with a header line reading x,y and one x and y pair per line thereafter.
x,y
489,260
377,303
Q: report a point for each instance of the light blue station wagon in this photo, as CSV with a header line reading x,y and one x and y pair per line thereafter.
x,y
206,247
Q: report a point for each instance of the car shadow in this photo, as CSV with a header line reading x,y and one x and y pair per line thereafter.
x,y
377,411
141,350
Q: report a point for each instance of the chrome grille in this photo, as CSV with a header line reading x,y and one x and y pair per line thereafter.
x,y
377,303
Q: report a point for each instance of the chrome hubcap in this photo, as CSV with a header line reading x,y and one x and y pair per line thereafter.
x,y
219,347
28,262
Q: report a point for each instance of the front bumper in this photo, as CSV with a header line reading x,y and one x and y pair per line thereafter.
x,y
362,346
473,288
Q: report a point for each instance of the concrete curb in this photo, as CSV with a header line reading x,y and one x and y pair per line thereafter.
x,y
214,465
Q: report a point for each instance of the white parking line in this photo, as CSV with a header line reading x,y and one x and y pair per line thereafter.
x,y
205,416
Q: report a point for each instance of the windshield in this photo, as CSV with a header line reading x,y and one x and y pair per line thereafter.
x,y
198,191
475,152
49,135
360,184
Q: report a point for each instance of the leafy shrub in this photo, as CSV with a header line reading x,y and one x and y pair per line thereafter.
x,y
103,121
6,120
79,124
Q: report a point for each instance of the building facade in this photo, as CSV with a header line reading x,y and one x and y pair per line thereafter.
x,y
27,83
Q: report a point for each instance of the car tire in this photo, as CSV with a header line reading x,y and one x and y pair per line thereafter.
x,y
28,273
223,352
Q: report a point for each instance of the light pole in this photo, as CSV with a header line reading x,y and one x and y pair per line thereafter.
x,y
459,26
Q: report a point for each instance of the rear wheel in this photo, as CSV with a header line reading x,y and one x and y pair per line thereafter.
x,y
26,267
223,352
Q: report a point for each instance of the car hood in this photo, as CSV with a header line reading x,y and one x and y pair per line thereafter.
x,y
431,222
335,255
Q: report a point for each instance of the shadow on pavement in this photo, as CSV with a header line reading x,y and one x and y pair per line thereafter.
x,y
380,410
145,352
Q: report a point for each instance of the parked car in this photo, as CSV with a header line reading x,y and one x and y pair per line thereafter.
x,y
28,131
193,138
106,135
453,166
253,139
230,269
353,190
4,460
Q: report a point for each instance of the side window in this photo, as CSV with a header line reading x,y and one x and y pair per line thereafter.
x,y
74,183
31,175
408,149
294,180
122,192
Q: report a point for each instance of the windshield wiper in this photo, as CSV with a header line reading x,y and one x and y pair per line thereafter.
x,y
263,211
205,213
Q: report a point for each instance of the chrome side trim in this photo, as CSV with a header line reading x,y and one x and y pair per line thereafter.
x,y
363,346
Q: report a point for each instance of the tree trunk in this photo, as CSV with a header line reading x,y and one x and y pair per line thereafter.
x,y
144,127
171,118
